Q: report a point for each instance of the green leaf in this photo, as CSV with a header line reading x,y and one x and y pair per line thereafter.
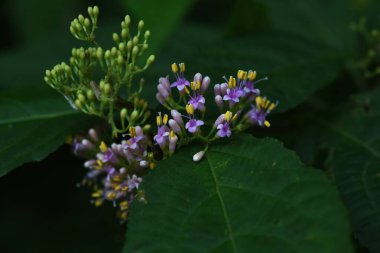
x,y
160,17
34,123
354,161
250,195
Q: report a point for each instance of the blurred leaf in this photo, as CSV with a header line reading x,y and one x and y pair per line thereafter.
x,y
34,123
321,21
296,68
251,195
33,19
355,162
160,17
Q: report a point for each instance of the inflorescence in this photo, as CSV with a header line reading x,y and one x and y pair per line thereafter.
x,y
115,170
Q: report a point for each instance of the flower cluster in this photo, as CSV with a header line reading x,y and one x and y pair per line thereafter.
x,y
238,100
115,172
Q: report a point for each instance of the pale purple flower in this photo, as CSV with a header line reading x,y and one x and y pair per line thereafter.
x,y
181,83
233,94
198,102
257,116
193,125
224,130
108,156
249,87
162,135
219,101
205,83
133,182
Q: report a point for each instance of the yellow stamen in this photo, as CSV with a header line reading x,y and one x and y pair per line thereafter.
x,y
187,90
159,120
228,116
231,82
182,67
97,194
190,109
272,106
103,147
266,123
123,205
152,166
174,67
258,102
234,117
172,134
132,131
165,120
98,202
124,216
251,75
111,195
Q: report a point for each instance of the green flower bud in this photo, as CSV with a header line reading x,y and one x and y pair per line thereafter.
x,y
141,24
113,51
123,114
78,27
90,11
107,88
95,11
120,59
46,79
146,128
107,54
99,53
135,50
90,95
81,98
134,115
82,55
122,46
72,29
47,72
127,20
135,41
144,47
150,59
147,115
101,84
87,23
129,45
124,33
80,18
147,34
116,38
78,103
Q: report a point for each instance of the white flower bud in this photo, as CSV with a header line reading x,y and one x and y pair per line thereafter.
x,y
205,83
93,135
219,101
174,126
177,117
223,89
198,156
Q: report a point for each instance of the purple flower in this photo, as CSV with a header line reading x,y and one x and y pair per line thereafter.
x,y
198,102
257,116
181,83
224,130
193,125
133,182
162,135
249,87
233,94
108,156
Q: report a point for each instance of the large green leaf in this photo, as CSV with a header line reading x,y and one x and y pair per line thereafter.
x,y
355,163
34,123
249,195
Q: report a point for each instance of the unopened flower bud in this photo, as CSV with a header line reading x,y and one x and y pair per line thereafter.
x,y
163,91
95,10
150,59
127,20
93,135
141,24
135,50
146,128
146,34
197,77
78,104
120,60
143,164
174,126
223,89
172,142
107,88
198,156
219,101
164,81
134,115
99,53
217,89
123,114
115,37
177,117
87,144
87,22
160,98
219,120
205,83
81,98
124,33
135,40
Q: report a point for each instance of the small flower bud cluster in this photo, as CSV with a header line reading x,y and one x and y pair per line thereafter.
x,y
102,97
238,100
83,28
115,171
